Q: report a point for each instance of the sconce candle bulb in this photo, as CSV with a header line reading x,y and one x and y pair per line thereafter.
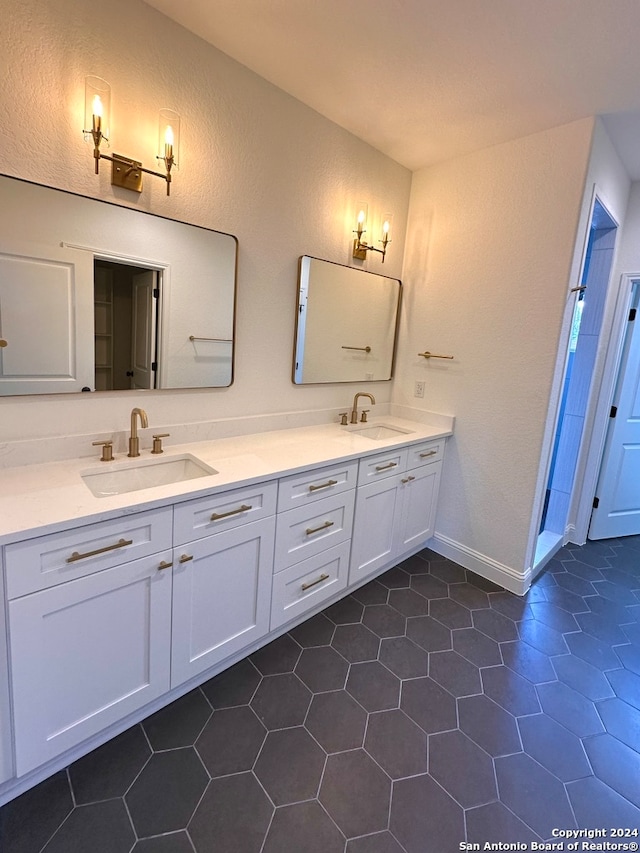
x,y
360,246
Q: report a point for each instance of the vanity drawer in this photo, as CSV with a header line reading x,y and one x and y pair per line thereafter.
x,y
59,557
307,530
307,584
382,465
217,513
301,489
425,453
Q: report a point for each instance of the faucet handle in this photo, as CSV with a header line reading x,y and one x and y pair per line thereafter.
x,y
343,418
363,416
157,442
107,450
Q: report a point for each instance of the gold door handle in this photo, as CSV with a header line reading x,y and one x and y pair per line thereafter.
x,y
407,479
324,526
218,515
120,544
3,343
165,565
433,355
429,453
306,586
386,467
323,485
185,558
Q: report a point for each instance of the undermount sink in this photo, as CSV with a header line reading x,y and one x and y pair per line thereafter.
x,y
378,432
145,474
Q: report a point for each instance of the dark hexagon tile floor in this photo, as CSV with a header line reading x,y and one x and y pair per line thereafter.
x,y
427,709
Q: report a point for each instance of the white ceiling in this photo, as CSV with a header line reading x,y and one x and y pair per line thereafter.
x,y
427,80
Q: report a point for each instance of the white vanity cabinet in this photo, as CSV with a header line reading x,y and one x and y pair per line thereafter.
x,y
90,630
223,558
6,742
395,506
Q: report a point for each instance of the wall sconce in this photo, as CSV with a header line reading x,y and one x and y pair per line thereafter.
x,y
125,172
360,246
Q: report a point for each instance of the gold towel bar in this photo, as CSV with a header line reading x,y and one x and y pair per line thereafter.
x,y
433,355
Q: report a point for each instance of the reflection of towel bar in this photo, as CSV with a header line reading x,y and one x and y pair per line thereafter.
x,y
221,340
432,355
361,349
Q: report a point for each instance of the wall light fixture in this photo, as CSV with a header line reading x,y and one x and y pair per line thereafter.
x,y
360,246
125,172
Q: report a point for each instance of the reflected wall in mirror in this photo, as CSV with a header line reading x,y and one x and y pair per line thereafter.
x,y
346,324
97,297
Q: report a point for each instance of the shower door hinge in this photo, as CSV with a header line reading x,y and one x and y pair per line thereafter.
x,y
613,412
154,366
632,314
596,502
156,292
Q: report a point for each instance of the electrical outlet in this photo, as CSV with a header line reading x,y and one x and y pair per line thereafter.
x,y
418,390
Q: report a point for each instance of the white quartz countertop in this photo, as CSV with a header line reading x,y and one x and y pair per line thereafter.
x,y
44,498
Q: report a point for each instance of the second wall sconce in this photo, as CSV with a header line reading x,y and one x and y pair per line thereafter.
x,y
125,172
360,246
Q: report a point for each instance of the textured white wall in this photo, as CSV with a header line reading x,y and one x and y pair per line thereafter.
x,y
489,250
254,162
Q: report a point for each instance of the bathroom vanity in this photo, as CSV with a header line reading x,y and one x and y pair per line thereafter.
x,y
117,599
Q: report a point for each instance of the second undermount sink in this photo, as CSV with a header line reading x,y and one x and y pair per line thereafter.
x,y
378,432
144,474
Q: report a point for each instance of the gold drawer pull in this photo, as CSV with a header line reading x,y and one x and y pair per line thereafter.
x,y
306,586
165,565
218,515
429,453
385,467
407,479
311,530
185,558
119,544
323,485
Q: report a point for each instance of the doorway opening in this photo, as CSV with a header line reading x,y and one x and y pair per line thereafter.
x,y
579,367
126,299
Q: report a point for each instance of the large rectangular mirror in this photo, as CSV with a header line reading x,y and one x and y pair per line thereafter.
x,y
98,297
346,324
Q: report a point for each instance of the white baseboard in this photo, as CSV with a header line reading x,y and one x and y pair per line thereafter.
x,y
482,565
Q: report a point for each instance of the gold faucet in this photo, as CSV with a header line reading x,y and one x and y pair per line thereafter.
x,y
134,441
354,411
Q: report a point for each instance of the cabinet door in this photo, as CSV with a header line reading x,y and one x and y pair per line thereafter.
x,y
374,536
221,596
419,491
85,654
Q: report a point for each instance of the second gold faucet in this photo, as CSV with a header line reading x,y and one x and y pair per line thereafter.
x,y
134,441
354,411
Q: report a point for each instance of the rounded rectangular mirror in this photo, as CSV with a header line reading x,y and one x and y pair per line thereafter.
x,y
346,324
98,297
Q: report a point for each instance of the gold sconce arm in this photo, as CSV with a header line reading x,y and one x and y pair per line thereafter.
x,y
433,355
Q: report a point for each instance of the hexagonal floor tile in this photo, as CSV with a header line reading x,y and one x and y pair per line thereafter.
x,y
489,725
512,606
373,686
428,633
408,602
476,647
108,771
234,686
450,613
336,721
469,596
87,827
454,673
371,593
277,657
615,764
429,705
429,587
403,657
165,794
569,708
356,643
510,690
180,723
527,661
322,669
583,677
553,746
368,811
384,620
494,823
542,637
594,803
317,631
626,686
303,826
451,751
290,766
231,741
424,818
346,611
394,578
281,701
621,720
495,625
397,744
234,814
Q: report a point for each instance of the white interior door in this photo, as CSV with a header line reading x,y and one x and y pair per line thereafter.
x,y
46,319
618,492
143,329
